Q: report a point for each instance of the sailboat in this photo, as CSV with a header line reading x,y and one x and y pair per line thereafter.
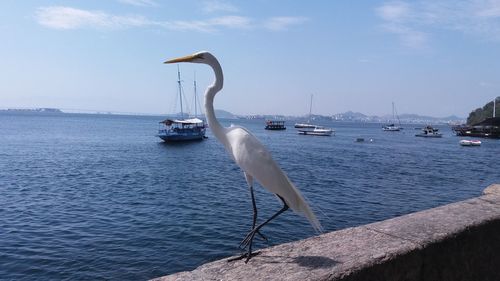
x,y
311,129
174,130
308,124
392,127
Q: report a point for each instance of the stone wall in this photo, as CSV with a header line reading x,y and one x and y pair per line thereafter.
x,y
459,241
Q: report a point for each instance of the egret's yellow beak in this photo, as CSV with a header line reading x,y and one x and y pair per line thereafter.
x,y
182,59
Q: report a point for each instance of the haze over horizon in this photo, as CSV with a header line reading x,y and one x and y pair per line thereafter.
x,y
434,58
219,112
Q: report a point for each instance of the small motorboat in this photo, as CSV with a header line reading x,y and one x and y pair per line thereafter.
x,y
317,131
304,125
429,132
470,142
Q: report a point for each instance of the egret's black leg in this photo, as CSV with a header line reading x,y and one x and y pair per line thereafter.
x,y
254,205
248,241
252,233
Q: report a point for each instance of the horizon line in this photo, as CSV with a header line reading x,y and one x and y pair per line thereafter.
x,y
91,111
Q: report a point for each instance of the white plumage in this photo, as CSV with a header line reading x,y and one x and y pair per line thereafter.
x,y
250,155
256,161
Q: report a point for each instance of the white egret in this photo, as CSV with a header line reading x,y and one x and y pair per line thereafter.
x,y
251,156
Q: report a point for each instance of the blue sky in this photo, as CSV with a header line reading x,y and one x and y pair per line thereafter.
x,y
430,57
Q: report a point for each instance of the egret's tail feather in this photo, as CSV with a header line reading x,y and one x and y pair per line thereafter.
x,y
311,217
299,205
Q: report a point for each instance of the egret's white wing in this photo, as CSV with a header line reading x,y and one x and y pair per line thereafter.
x,y
253,158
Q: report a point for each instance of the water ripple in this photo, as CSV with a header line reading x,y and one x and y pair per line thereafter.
x,y
99,197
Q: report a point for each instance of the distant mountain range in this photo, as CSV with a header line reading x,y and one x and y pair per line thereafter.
x,y
34,110
403,118
416,116
360,117
225,114
346,116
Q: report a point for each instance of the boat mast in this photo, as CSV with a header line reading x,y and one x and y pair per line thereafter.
x,y
395,114
310,109
393,111
180,89
195,96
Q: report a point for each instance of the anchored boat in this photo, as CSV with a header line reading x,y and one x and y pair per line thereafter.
x,y
429,132
470,142
174,130
308,124
311,129
316,131
392,127
275,125
182,130
489,128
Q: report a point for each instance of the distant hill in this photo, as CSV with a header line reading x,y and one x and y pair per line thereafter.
x,y
353,115
349,116
480,114
224,114
416,116
403,118
218,113
32,110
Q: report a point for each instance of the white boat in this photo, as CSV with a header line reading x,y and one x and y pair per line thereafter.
x,y
392,127
176,130
429,132
311,129
317,131
308,124
470,142
304,125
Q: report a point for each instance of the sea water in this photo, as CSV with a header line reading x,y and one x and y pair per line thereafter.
x,y
97,197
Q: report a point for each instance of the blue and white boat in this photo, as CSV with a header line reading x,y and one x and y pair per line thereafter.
x,y
175,130
182,130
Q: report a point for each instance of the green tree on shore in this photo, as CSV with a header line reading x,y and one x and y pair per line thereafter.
x,y
481,114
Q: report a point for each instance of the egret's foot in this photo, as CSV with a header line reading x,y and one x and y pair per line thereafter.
x,y
243,256
248,239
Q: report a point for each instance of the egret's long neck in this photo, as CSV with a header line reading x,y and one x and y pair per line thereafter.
x,y
213,123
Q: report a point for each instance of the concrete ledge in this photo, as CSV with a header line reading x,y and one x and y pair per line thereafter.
x,y
459,241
